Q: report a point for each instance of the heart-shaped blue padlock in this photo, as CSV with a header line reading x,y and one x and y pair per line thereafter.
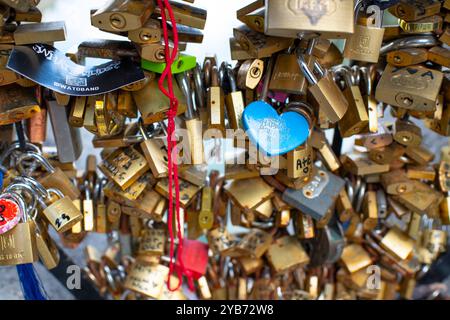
x,y
274,134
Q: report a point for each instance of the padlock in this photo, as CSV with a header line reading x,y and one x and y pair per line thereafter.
x,y
193,122
155,152
424,25
328,18
287,75
396,182
124,166
37,127
183,64
216,103
47,249
253,15
62,214
234,101
44,32
411,88
206,214
397,243
304,226
152,242
55,178
102,224
150,32
146,280
407,133
325,91
439,55
356,119
300,162
195,257
238,190
18,246
407,57
286,253
415,10
17,104
365,43
187,191
249,74
318,196
219,240
122,15
259,45
254,244
88,209
153,104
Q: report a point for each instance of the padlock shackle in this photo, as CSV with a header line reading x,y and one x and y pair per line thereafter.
x,y
342,72
15,188
199,88
267,77
16,146
36,156
36,185
184,84
409,42
231,79
307,72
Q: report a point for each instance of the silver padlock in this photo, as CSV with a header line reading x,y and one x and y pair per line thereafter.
x,y
316,198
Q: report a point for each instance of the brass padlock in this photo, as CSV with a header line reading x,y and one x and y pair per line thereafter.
x,y
407,57
300,162
287,75
238,191
411,88
152,242
147,280
415,10
122,15
356,119
17,104
124,166
155,152
62,213
249,74
194,123
331,19
286,253
365,43
234,100
18,246
55,178
325,91
259,45
102,224
397,243
153,104
216,103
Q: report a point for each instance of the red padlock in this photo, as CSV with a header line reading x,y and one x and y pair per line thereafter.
x,y
195,258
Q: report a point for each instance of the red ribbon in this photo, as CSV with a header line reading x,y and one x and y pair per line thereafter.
x,y
171,146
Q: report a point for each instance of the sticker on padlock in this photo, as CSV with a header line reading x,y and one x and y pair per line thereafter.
x,y
182,64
